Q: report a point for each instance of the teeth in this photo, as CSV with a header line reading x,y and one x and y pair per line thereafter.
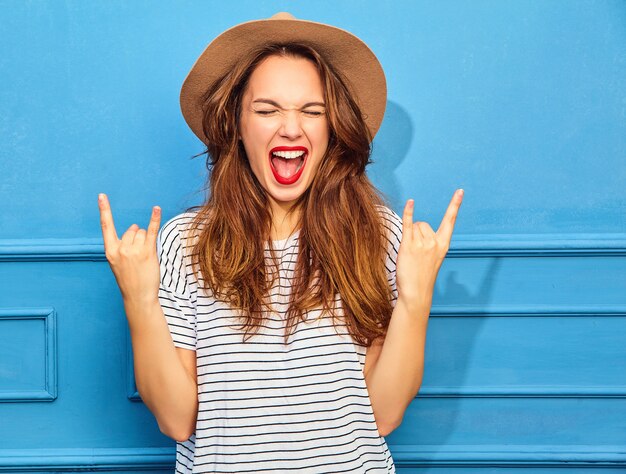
x,y
288,154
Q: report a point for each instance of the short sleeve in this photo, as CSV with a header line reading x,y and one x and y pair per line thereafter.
x,y
393,231
175,296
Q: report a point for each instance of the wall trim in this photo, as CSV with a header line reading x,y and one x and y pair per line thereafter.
x,y
463,245
508,455
526,391
94,459
130,459
131,387
538,245
49,391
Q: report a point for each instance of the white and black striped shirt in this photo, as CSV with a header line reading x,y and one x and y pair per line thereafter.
x,y
265,406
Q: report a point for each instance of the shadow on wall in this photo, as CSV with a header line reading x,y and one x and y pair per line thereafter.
x,y
390,149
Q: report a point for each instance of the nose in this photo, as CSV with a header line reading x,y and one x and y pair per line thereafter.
x,y
290,126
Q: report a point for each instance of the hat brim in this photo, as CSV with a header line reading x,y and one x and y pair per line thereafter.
x,y
348,54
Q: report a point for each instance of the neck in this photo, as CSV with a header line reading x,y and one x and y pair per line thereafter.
x,y
284,220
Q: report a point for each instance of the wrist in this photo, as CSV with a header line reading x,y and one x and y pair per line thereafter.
x,y
145,304
415,304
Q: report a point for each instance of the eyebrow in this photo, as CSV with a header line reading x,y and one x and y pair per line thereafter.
x,y
275,104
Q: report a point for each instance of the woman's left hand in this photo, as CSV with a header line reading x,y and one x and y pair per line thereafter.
x,y
421,254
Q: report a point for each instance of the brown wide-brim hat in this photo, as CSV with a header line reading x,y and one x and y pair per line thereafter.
x,y
349,55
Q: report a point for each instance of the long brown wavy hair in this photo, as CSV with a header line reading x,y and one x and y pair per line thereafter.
x,y
342,243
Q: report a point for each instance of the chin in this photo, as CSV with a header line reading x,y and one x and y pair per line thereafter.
x,y
285,196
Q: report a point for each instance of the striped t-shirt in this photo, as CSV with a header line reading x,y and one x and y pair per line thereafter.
x,y
265,406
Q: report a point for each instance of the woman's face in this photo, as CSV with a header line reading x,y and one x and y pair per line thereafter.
x,y
283,126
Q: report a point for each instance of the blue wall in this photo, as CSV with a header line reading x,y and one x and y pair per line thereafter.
x,y
521,103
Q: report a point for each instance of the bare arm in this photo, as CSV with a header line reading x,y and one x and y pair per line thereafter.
x,y
165,375
395,376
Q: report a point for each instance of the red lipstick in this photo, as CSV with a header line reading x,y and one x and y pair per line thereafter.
x,y
292,179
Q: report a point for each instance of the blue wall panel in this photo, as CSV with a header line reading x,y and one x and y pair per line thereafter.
x,y
521,103
28,352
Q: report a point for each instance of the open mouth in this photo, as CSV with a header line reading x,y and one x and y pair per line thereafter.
x,y
287,163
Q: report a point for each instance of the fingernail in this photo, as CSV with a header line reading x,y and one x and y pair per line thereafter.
x,y
101,197
411,202
157,209
460,192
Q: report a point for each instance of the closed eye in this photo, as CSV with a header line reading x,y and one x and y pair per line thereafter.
x,y
311,113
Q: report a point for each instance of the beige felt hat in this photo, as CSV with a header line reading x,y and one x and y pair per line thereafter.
x,y
349,55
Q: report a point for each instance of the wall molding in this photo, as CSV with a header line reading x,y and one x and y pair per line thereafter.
x,y
463,245
405,456
49,391
465,456
528,310
132,392
538,245
93,459
526,391
50,250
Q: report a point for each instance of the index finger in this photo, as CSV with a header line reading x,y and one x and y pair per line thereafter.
x,y
449,218
106,221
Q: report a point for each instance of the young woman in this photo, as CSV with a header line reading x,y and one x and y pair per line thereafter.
x,y
281,325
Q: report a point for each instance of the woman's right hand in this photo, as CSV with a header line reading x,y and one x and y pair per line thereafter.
x,y
133,259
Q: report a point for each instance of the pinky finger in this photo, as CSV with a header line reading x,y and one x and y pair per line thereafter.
x,y
407,220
